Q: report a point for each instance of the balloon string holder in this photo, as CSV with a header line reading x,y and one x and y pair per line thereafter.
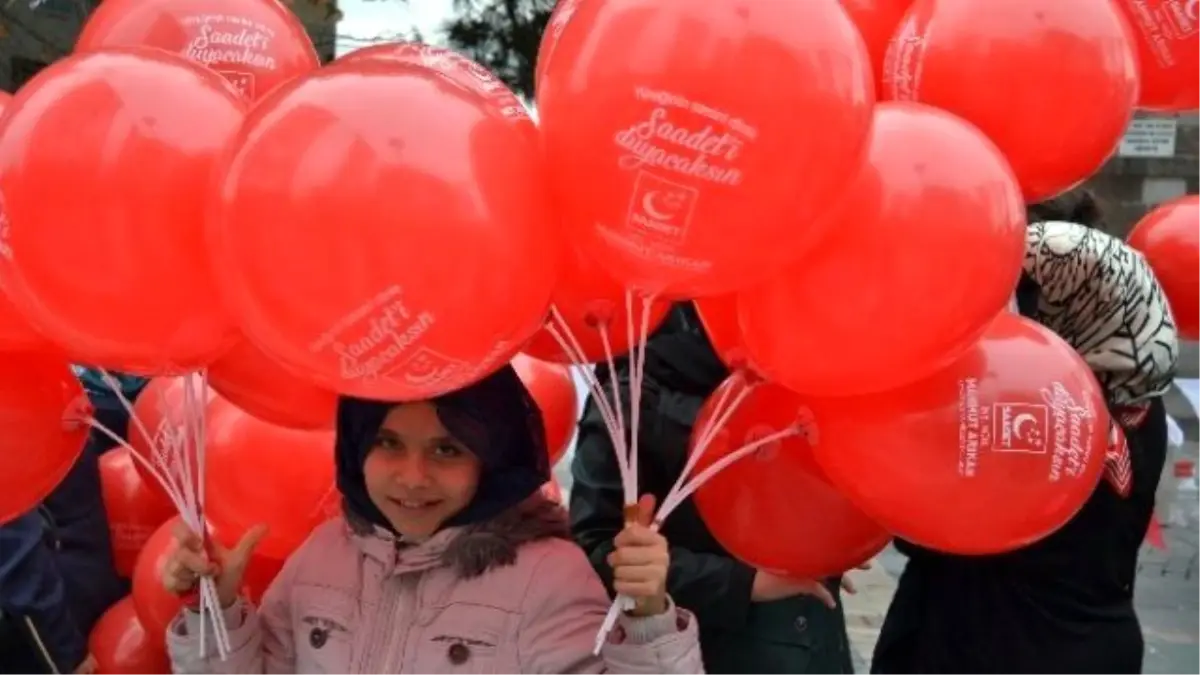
x,y
177,464
625,437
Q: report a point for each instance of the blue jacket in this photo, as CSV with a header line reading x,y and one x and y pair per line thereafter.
x,y
56,569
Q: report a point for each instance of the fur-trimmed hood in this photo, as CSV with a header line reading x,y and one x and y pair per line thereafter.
x,y
470,550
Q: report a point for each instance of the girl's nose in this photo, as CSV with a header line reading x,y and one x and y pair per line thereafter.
x,y
411,470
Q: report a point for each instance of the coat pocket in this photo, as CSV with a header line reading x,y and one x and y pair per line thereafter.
x,y
465,638
321,625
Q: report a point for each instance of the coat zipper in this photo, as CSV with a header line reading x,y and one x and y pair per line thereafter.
x,y
399,646
385,620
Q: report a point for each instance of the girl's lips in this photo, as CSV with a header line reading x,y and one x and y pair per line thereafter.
x,y
415,504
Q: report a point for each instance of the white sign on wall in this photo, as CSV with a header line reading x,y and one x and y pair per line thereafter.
x,y
1149,137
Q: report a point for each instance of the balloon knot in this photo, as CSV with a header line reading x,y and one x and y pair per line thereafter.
x,y
598,314
806,425
77,413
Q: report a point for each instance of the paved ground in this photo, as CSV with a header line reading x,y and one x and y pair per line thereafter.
x,y
1166,599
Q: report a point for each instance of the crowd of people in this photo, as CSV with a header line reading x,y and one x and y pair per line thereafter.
x,y
445,530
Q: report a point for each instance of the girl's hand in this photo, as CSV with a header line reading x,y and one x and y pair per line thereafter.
x,y
640,562
188,562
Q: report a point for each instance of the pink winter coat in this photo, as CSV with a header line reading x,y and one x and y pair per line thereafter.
x,y
512,595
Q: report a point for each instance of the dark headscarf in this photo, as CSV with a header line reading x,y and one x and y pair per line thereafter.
x,y
496,418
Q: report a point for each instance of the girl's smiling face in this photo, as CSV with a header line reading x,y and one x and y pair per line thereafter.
x,y
417,474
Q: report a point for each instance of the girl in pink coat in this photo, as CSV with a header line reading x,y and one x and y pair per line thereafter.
x,y
447,560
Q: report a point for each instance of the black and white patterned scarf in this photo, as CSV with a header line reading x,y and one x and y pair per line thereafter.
x,y
1102,298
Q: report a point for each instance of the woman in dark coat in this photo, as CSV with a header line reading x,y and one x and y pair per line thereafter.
x,y
1065,603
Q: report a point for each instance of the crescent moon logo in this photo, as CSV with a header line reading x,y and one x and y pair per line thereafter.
x,y
426,367
651,208
1032,435
1019,423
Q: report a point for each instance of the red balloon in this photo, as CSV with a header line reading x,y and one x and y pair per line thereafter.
x,y
135,133
1169,237
988,455
891,304
589,300
15,332
560,16
1167,34
719,314
254,382
159,410
451,65
876,21
135,509
1052,82
259,473
254,44
367,297
776,510
692,144
156,607
120,644
553,389
38,393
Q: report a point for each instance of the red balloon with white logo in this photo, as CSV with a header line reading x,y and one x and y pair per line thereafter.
x,y
1168,38
156,430
254,44
876,21
1052,82
367,297
135,508
775,509
992,453
449,64
692,145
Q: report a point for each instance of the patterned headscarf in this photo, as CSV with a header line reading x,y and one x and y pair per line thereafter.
x,y
1102,298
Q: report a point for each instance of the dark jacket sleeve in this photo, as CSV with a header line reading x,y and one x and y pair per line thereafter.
x,y
32,589
716,588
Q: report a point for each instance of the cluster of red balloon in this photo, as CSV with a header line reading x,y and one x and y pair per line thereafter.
x,y
135,270
846,250
396,226
255,472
